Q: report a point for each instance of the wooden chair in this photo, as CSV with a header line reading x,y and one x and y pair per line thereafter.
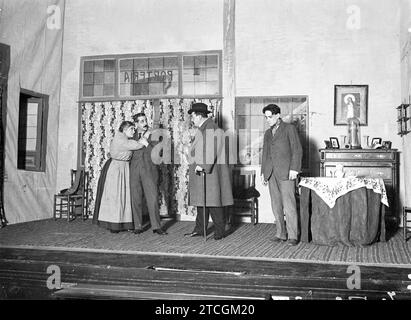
x,y
67,201
245,195
405,221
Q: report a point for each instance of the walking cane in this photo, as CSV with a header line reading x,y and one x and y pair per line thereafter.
x,y
204,206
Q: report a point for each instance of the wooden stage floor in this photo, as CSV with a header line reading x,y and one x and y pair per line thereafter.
x,y
94,264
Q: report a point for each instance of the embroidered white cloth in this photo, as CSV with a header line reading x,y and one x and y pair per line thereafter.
x,y
330,189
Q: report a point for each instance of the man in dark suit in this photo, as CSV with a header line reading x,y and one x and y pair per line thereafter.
x,y
281,163
208,159
144,180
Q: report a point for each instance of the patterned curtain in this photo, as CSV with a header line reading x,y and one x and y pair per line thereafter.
x,y
101,119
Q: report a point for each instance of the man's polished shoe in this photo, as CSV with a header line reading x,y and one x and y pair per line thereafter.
x,y
138,231
277,239
292,242
193,234
161,232
218,237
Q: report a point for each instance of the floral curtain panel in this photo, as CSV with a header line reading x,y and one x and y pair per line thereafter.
x,y
101,119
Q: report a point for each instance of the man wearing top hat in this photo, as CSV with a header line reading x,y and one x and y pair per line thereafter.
x,y
206,158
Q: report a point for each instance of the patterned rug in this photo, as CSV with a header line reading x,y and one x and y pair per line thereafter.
x,y
246,241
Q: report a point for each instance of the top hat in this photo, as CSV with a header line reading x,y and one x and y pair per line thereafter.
x,y
199,107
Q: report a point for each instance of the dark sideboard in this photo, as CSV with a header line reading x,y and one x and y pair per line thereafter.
x,y
374,163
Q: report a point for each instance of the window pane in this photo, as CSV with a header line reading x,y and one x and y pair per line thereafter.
x,y
30,161
108,89
141,64
126,64
155,88
31,120
88,78
257,122
109,65
126,77
199,74
155,63
99,78
200,88
188,62
212,74
188,75
32,108
31,144
256,106
171,88
212,87
125,89
109,77
242,107
31,133
170,62
199,61
88,66
88,90
243,122
140,76
172,75
98,65
154,76
140,89
98,90
188,88
212,61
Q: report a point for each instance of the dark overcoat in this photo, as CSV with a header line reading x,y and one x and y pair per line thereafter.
x,y
218,179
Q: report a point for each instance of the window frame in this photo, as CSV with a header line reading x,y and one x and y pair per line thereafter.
x,y
156,96
306,152
115,74
179,55
41,138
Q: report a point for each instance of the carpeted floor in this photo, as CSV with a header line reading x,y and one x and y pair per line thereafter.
x,y
247,240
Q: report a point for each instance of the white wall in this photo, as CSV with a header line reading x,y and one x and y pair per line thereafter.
x,y
36,66
300,47
405,34
98,27
304,47
283,47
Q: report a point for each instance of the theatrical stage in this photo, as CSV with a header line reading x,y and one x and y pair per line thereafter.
x,y
96,264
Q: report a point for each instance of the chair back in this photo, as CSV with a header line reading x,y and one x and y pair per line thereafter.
x,y
79,181
77,177
244,183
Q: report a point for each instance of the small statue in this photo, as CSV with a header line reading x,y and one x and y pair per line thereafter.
x,y
353,129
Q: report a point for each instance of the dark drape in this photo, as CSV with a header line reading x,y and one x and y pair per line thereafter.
x,y
358,218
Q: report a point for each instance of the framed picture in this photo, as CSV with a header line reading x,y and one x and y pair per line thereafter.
x,y
375,141
334,143
350,100
327,144
386,144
